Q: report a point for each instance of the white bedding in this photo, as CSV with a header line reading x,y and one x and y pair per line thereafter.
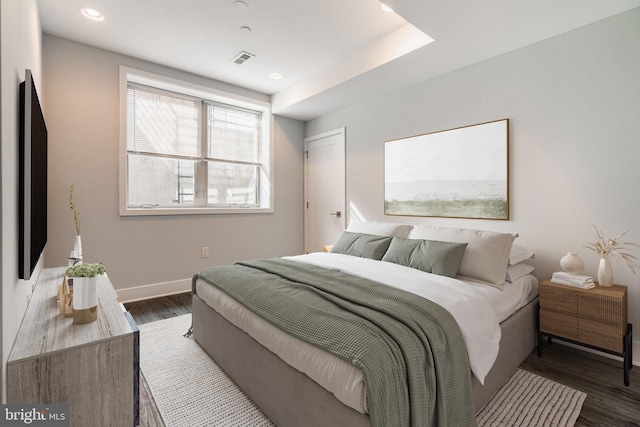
x,y
476,307
512,297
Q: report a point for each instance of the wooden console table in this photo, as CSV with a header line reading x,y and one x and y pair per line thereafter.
x,y
93,367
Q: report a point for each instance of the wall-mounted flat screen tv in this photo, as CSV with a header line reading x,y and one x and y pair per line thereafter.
x,y
32,223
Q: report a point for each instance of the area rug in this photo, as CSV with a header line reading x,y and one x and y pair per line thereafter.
x,y
529,400
191,390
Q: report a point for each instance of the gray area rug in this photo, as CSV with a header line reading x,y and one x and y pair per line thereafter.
x,y
529,400
191,390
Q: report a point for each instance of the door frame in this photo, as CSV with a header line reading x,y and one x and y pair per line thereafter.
x,y
339,131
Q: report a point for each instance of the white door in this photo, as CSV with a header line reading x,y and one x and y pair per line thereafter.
x,y
325,213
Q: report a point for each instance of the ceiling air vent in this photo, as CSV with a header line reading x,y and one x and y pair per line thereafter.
x,y
242,57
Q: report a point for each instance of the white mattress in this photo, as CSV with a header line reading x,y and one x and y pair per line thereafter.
x,y
476,307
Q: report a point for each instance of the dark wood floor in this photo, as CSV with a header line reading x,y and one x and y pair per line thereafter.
x,y
150,311
609,403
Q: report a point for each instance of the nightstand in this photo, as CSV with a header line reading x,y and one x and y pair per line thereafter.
x,y
595,318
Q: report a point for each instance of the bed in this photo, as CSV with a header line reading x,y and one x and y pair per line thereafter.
x,y
297,383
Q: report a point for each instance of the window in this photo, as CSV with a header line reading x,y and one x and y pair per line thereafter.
x,y
189,151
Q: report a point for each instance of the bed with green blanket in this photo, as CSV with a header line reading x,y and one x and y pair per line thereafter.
x,y
396,338
317,345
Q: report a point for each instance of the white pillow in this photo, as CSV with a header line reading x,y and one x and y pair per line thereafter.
x,y
486,256
519,254
514,272
380,228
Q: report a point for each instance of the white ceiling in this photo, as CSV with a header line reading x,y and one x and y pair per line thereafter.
x,y
331,53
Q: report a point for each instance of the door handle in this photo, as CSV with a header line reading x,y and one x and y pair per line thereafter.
x,y
337,213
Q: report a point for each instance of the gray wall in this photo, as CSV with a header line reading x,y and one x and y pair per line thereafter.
x,y
574,107
20,47
83,102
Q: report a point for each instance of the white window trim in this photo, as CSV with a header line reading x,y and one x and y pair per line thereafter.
x,y
128,74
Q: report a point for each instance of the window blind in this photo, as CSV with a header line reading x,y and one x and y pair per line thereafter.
x,y
233,134
188,151
162,123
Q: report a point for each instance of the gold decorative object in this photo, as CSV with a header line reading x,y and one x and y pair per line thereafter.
x,y
86,315
65,298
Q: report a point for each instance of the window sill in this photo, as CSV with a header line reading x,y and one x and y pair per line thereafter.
x,y
192,211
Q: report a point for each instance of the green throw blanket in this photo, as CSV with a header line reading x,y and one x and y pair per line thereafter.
x,y
410,350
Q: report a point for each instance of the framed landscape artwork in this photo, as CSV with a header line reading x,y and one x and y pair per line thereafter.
x,y
455,173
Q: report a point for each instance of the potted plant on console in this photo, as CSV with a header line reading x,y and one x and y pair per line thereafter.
x,y
86,278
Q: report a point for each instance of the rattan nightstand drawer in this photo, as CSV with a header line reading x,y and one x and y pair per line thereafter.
x,y
604,308
599,334
563,299
607,305
560,324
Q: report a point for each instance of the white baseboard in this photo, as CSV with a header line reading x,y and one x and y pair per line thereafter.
x,y
153,290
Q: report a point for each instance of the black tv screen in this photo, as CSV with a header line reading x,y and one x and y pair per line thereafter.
x,y
32,222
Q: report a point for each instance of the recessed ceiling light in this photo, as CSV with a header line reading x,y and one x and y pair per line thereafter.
x,y
92,13
275,76
245,29
240,6
385,8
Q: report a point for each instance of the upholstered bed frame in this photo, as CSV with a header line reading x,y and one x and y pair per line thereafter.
x,y
290,398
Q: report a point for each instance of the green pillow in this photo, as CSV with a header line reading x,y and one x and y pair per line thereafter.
x,y
361,245
432,256
400,250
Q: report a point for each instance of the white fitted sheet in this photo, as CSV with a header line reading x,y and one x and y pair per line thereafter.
x,y
477,308
512,297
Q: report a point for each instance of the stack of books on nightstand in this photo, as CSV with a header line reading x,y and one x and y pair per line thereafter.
x,y
576,280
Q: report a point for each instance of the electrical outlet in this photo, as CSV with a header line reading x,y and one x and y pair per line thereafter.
x,y
204,252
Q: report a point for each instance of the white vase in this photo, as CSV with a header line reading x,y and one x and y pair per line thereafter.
x,y
77,247
572,263
605,273
85,299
